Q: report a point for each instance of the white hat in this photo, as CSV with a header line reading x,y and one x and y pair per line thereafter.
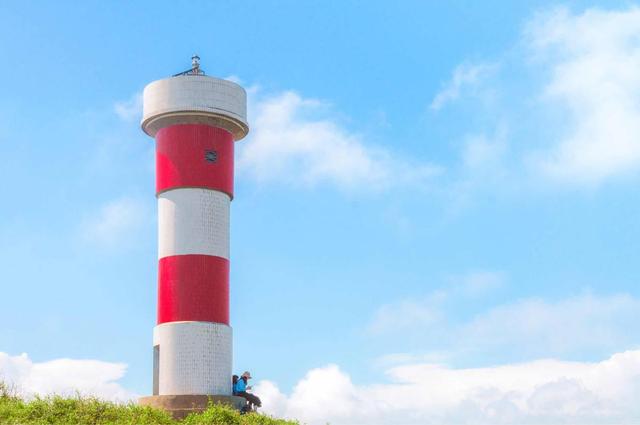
x,y
246,374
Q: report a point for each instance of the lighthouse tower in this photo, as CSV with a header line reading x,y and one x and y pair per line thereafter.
x,y
195,120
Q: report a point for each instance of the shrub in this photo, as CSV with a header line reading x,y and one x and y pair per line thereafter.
x,y
78,410
224,415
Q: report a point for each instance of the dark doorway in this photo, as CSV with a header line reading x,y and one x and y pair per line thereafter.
x,y
156,369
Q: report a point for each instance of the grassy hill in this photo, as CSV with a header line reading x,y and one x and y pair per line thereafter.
x,y
92,411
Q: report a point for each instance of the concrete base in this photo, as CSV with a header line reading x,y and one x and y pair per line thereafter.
x,y
179,406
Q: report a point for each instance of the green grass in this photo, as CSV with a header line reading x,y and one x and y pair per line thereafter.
x,y
92,411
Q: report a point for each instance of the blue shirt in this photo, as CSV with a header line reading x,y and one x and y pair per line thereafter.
x,y
241,386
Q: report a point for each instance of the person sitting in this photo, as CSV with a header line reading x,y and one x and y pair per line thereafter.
x,y
241,387
234,381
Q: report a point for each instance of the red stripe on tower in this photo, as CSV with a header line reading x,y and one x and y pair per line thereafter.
x,y
194,155
193,287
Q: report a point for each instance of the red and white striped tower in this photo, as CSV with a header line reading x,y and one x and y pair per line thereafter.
x,y
195,120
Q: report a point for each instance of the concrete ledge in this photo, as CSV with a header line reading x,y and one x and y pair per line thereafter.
x,y
195,99
180,406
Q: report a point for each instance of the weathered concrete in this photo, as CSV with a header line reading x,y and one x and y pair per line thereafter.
x,y
179,406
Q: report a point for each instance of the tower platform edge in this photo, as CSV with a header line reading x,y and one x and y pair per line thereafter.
x,y
180,406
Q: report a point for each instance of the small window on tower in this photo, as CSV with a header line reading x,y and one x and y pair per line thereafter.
x,y
211,156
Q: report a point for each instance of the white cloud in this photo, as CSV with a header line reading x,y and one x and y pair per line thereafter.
x,y
64,377
477,282
114,222
131,109
422,313
294,141
569,94
538,392
394,359
592,58
580,323
430,311
465,76
527,328
234,79
484,152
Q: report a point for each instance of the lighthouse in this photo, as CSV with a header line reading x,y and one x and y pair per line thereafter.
x,y
195,120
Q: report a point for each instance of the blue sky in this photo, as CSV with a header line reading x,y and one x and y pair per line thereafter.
x,y
424,186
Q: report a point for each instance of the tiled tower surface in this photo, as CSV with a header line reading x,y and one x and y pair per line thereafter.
x,y
195,120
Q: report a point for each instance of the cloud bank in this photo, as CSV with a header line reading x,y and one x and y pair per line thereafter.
x,y
64,377
539,388
537,392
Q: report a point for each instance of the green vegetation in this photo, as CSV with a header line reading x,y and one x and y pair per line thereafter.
x,y
92,411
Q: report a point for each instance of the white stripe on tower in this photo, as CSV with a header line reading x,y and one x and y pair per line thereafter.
x,y
193,221
189,349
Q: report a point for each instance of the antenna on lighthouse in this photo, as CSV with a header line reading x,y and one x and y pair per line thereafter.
x,y
195,67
